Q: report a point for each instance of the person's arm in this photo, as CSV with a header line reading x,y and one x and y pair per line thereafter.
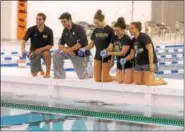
x,y
110,47
62,43
148,44
23,45
150,53
81,40
125,49
151,57
121,53
131,55
75,47
25,39
111,63
48,46
91,44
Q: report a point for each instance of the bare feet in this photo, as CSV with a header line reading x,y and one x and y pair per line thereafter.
x,y
47,75
42,73
113,78
120,82
163,81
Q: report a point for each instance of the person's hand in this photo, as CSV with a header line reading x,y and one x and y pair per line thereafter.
x,y
37,51
71,53
81,51
152,67
24,53
116,48
108,53
31,55
67,51
62,53
103,53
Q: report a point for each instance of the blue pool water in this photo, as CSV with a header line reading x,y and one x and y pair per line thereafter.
x,y
16,119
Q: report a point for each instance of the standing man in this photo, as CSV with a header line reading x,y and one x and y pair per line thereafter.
x,y
41,42
73,38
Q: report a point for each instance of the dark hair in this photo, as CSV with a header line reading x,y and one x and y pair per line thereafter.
x,y
42,15
99,15
65,15
138,25
120,23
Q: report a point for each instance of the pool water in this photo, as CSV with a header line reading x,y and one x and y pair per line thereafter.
x,y
17,119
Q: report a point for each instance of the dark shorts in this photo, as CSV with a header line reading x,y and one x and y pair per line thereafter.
x,y
143,68
128,65
105,60
98,57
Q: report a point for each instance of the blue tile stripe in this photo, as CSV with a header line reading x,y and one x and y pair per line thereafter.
x,y
158,47
170,46
171,72
72,69
171,56
13,64
169,50
171,63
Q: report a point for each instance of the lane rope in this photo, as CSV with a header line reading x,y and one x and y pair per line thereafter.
x,y
97,114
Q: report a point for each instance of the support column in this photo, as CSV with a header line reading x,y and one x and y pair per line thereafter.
x,y
21,18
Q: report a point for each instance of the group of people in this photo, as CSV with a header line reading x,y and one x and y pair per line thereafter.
x,y
136,57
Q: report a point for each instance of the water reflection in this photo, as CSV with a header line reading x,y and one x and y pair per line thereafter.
x,y
14,119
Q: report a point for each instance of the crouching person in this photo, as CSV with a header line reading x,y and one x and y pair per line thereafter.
x,y
41,42
73,38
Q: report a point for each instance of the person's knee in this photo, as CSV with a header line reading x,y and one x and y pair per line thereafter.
x,y
106,79
148,79
47,57
103,80
46,53
148,82
138,81
128,81
97,79
119,81
97,75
